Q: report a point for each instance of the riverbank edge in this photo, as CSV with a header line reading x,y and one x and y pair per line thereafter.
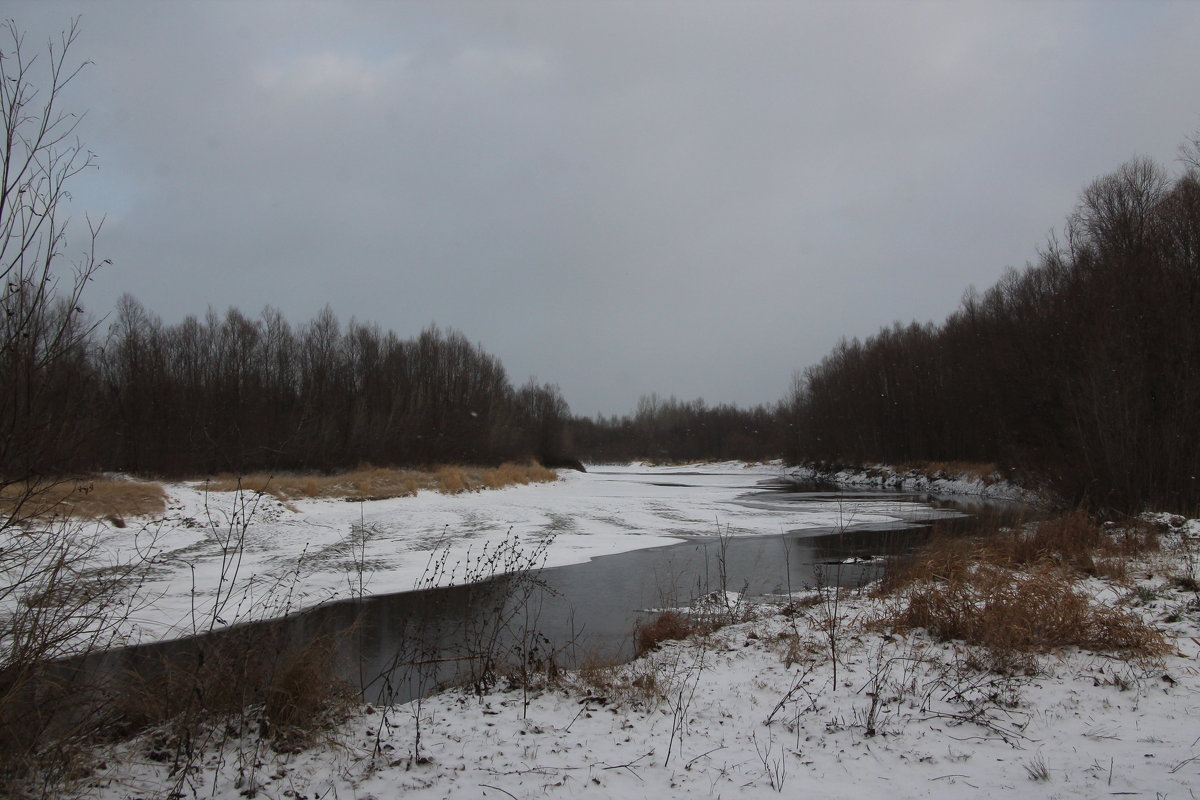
x,y
993,485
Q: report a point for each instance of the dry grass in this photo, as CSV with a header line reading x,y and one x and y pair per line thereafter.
x,y
451,480
378,483
1007,611
87,498
1073,542
706,615
663,627
291,692
1017,591
509,473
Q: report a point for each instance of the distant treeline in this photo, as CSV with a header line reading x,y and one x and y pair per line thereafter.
x,y
232,393
674,430
1084,368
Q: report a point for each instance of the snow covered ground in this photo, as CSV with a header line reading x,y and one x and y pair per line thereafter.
x,y
219,559
755,711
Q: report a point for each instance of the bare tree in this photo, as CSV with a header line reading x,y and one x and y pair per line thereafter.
x,y
49,604
42,332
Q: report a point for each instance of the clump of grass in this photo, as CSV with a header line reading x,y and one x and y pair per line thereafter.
x,y
94,497
1073,542
1016,592
701,619
670,625
1037,770
1007,611
304,696
1079,543
451,480
510,473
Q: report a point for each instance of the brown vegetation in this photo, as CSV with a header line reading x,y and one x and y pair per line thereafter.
x,y
87,498
665,626
379,483
1073,542
1016,612
1017,592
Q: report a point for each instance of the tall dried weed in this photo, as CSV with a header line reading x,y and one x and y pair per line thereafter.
x,y
1017,591
87,498
380,483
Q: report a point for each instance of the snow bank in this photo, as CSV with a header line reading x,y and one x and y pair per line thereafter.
x,y
880,476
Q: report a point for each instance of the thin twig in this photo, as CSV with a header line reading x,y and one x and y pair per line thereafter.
x,y
1183,764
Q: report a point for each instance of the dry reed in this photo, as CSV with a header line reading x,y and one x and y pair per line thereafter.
x,y
1017,591
86,498
378,483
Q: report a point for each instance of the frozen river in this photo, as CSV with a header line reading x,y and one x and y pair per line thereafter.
x,y
219,559
616,542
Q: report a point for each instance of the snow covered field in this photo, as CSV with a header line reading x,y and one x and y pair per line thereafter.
x,y
220,558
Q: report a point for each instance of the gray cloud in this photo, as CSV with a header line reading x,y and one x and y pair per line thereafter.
x,y
687,198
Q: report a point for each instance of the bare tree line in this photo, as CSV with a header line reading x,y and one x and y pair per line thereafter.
x,y
688,430
1084,368
234,393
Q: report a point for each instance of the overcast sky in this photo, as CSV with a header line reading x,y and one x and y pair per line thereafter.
x,y
690,198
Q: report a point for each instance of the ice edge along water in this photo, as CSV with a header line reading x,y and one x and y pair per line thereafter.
x,y
219,558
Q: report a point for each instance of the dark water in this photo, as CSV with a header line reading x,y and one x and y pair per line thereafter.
x,y
396,647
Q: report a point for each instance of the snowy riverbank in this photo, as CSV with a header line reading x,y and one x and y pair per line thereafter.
x,y
944,482
755,710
